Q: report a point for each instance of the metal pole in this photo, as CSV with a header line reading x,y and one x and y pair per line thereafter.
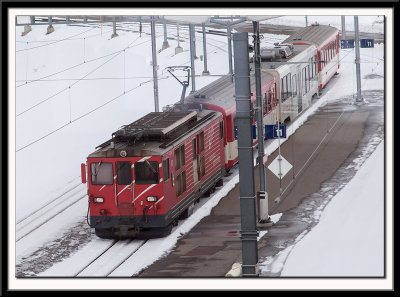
x,y
262,199
205,71
192,56
343,27
154,64
243,120
165,43
114,28
357,45
306,22
230,51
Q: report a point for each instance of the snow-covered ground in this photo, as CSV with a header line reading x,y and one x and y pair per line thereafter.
x,y
76,86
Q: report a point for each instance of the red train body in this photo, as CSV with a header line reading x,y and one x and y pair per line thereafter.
x,y
152,171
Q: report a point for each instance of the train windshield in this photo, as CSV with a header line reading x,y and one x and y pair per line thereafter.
x,y
102,173
146,173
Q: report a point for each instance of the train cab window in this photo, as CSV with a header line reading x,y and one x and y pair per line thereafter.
x,y
221,130
146,172
166,169
124,173
102,173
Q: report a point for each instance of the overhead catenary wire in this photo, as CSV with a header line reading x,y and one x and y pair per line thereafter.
x,y
84,115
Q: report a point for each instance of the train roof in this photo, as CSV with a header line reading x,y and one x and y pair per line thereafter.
x,y
314,34
221,92
154,133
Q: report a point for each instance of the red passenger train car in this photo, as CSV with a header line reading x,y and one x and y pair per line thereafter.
x,y
220,96
152,171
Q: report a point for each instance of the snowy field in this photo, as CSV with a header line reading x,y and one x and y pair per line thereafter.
x,y
77,85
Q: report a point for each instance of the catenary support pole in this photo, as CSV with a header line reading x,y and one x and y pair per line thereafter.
x,y
248,230
262,198
357,49
343,27
165,43
192,56
229,34
205,71
154,64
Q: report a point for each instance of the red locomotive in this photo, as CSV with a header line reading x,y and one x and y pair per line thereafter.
x,y
152,171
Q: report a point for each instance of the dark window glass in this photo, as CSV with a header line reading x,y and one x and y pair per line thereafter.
x,y
124,173
102,173
166,169
294,85
181,183
180,157
201,141
146,172
221,130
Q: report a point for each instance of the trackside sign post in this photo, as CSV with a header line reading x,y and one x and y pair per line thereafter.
x,y
271,131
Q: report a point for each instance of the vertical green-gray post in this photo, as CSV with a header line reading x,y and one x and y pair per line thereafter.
x,y
154,64
243,119
357,49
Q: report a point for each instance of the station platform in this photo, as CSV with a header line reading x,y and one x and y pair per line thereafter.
x,y
320,151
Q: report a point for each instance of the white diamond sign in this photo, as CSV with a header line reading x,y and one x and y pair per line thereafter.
x,y
280,167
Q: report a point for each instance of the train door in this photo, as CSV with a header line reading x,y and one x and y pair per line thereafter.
x,y
124,193
299,89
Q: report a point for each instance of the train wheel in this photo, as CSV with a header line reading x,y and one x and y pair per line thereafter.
x,y
220,183
104,233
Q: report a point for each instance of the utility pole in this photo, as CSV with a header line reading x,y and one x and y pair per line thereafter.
x,y
165,43
357,49
205,71
154,64
262,197
192,55
243,119
343,27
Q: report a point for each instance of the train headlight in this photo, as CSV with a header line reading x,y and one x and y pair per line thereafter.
x,y
98,200
151,198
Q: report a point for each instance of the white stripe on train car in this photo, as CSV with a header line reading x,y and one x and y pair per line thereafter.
x,y
148,188
123,190
157,202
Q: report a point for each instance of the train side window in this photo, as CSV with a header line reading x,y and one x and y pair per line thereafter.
x,y
268,94
315,64
181,183
221,130
294,85
194,148
166,169
201,141
124,173
289,84
102,173
180,157
146,173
